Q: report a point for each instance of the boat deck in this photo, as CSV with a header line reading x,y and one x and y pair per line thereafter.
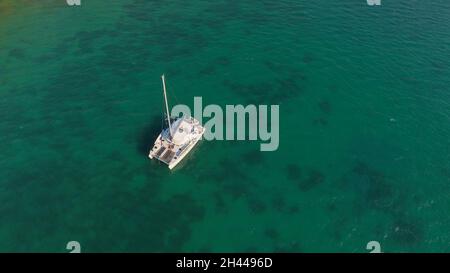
x,y
164,151
168,156
160,152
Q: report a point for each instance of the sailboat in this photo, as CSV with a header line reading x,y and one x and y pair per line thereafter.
x,y
176,141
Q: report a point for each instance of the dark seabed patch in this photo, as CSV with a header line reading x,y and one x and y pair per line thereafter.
x,y
287,247
86,39
321,121
324,106
294,209
221,9
205,249
293,172
256,205
253,157
223,61
375,187
17,53
445,172
308,58
60,50
211,67
274,66
376,192
312,179
269,92
271,233
333,88
251,249
407,232
331,206
281,69
252,93
290,86
219,202
173,216
207,70
279,203
231,178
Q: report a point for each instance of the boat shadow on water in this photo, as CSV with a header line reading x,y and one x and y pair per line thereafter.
x,y
146,134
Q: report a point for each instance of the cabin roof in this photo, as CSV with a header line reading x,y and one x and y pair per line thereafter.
x,y
181,130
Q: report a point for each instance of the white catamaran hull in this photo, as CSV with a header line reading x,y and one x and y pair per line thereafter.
x,y
175,142
188,149
170,153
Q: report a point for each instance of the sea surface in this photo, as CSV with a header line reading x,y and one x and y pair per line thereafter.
x,y
364,101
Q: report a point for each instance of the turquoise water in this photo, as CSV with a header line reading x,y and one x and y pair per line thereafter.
x,y
364,132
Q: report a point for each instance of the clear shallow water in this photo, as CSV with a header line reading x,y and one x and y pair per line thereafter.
x,y
364,108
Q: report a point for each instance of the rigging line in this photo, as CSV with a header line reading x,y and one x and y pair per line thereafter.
x,y
172,94
176,99
163,114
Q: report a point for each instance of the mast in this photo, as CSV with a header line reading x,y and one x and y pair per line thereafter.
x,y
167,105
